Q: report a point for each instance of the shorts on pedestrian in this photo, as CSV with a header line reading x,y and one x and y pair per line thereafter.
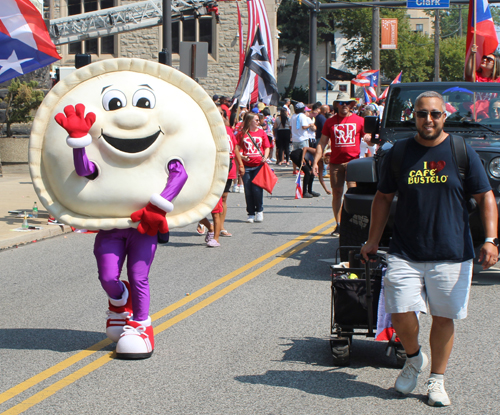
x,y
299,144
337,175
445,286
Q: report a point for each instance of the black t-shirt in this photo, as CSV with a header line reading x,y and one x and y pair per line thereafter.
x,y
431,223
319,122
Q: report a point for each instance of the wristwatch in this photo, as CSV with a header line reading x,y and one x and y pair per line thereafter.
x,y
493,241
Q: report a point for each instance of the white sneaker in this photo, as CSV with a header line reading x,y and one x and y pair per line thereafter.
x,y
407,379
259,217
235,189
250,219
241,188
436,393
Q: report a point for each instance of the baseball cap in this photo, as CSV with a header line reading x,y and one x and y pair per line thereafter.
x,y
307,109
300,105
255,109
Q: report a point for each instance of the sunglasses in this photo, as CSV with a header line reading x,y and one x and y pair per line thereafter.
x,y
487,58
344,102
435,115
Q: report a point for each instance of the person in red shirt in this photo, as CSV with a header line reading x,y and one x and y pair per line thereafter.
x,y
254,146
488,71
344,131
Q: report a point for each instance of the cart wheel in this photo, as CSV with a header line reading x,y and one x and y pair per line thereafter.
x,y
400,353
340,351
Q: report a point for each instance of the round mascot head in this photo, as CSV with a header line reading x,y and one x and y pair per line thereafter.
x,y
146,115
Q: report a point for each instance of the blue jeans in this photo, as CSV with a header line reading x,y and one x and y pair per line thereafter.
x,y
254,195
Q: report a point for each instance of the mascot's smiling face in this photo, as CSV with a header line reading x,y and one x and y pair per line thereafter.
x,y
146,115
137,115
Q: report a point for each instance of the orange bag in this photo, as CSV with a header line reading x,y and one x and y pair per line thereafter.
x,y
265,178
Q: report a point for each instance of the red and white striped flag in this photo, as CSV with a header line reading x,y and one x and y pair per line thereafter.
x,y
257,18
298,187
397,80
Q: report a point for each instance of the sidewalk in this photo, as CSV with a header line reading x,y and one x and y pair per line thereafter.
x,y
17,193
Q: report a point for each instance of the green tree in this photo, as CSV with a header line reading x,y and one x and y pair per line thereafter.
x,y
22,99
452,59
293,24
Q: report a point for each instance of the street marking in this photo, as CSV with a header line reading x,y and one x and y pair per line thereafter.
x,y
50,390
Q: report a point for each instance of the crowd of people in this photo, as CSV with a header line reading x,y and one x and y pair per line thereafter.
x,y
299,135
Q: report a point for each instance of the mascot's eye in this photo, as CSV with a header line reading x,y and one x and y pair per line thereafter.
x,y
114,100
144,98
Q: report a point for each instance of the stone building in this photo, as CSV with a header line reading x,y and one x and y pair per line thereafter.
x,y
222,37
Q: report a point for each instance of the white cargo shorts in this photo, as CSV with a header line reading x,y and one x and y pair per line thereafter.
x,y
445,286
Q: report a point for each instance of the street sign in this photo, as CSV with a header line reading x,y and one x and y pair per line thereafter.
x,y
428,4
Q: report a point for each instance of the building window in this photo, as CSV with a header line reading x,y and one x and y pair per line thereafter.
x,y
343,88
193,30
98,46
419,28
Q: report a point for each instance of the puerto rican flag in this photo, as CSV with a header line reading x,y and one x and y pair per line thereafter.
x,y
298,187
25,44
370,95
367,78
397,80
486,36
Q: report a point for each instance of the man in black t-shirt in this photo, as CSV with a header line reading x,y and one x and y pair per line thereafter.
x,y
431,252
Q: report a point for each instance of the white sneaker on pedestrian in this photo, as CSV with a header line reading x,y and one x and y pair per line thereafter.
x,y
436,393
241,188
251,219
235,189
259,217
407,379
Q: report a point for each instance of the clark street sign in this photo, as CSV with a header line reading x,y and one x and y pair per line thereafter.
x,y
428,4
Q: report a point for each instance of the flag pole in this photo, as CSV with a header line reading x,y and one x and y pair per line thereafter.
x,y
475,46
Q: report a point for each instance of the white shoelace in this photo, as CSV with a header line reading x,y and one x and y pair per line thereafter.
x,y
434,385
410,371
134,330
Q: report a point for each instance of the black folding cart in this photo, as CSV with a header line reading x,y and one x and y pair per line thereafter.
x,y
354,306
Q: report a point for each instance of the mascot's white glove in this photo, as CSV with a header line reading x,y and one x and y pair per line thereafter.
x,y
76,125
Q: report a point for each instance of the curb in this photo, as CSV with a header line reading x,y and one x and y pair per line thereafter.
x,y
34,236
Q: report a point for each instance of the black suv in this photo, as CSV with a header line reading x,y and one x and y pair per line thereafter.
x,y
471,113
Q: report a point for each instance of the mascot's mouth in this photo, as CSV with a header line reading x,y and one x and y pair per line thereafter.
x,y
131,145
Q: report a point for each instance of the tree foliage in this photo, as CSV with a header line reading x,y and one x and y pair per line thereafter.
x,y
22,99
415,53
293,24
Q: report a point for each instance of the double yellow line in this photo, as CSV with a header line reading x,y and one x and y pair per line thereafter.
x,y
57,386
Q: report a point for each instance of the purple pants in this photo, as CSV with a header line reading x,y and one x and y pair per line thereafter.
x,y
110,249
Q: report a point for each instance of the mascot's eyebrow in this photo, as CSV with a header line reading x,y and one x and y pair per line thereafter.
x,y
146,85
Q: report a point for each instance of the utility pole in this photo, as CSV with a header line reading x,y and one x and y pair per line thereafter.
x,y
313,42
166,53
436,45
376,41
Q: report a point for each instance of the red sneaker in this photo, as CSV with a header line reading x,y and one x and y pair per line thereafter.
x,y
119,313
137,341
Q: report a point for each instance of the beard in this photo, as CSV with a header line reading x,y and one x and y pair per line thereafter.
x,y
428,135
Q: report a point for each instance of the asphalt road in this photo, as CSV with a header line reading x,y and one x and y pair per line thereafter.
x,y
241,329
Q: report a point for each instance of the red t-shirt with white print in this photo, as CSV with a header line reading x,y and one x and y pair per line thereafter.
x,y
345,137
248,149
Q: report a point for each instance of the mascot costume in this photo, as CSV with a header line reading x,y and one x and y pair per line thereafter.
x,y
130,148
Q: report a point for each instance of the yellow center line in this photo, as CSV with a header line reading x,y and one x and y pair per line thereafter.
x,y
14,391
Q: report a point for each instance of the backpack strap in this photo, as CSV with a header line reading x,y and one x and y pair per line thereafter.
x,y
459,151
398,151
